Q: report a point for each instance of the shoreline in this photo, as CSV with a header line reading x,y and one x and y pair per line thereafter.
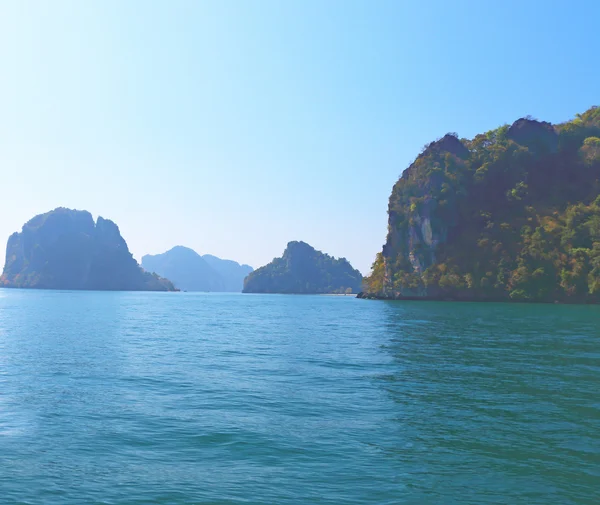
x,y
366,296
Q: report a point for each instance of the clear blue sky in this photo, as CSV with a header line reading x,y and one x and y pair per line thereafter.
x,y
233,127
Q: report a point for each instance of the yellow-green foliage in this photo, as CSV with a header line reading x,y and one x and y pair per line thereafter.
x,y
374,283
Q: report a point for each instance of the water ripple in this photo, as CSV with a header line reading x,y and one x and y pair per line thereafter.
x,y
124,398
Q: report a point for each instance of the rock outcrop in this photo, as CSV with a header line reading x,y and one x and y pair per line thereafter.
x,y
538,136
304,270
513,214
66,249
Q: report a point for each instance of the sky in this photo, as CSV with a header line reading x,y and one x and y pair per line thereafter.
x,y
233,127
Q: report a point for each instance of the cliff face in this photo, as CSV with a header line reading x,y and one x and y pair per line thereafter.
x,y
419,219
513,214
65,249
191,272
304,270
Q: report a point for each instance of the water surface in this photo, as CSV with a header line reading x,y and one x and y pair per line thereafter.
x,y
124,398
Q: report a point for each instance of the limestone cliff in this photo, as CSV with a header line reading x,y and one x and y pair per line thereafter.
x,y
65,249
513,214
419,218
304,270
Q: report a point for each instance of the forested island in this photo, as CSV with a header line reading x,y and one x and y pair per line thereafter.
x,y
304,270
513,214
66,249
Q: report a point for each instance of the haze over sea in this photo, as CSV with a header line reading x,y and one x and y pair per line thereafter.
x,y
123,398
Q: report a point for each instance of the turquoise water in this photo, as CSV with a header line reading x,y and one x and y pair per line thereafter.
x,y
123,398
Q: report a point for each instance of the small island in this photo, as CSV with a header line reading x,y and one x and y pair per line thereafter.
x,y
511,215
66,249
304,270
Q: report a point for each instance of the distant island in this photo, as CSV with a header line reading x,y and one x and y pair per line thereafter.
x,y
190,271
513,214
304,270
65,249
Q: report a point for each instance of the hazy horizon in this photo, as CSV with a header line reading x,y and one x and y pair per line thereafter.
x,y
199,254
233,128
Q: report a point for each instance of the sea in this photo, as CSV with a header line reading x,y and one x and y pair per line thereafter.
x,y
190,398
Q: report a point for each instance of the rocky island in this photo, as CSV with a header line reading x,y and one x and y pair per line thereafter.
x,y
192,272
66,249
304,270
513,214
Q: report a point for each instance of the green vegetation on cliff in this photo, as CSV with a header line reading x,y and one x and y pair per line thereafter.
x,y
513,214
304,270
65,249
